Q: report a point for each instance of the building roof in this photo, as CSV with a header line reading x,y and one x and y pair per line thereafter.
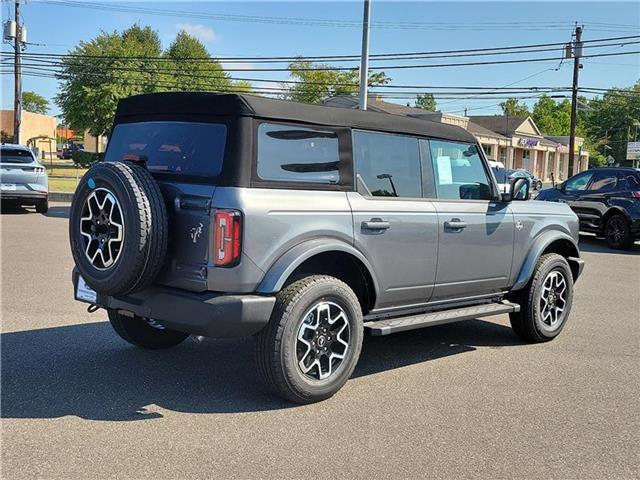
x,y
373,104
485,132
503,124
199,105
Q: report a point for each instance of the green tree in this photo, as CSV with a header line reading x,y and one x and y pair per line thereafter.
x,y
102,71
194,68
512,107
552,118
611,120
427,102
316,84
32,102
116,65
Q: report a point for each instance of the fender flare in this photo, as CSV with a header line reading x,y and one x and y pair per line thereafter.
x,y
539,245
280,271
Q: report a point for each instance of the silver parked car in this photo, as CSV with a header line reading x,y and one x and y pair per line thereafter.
x,y
307,226
23,178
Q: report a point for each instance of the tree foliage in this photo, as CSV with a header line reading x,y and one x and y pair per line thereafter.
x,y
32,102
611,120
316,84
427,102
512,107
116,65
552,118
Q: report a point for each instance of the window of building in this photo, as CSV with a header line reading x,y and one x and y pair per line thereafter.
x,y
503,155
488,150
388,164
459,172
291,153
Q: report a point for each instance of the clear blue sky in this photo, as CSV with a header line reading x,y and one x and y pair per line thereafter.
x,y
459,25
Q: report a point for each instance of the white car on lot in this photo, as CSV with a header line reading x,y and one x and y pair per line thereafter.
x,y
23,180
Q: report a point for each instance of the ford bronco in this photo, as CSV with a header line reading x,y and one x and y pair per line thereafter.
x,y
228,215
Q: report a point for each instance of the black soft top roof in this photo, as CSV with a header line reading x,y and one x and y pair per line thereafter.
x,y
202,104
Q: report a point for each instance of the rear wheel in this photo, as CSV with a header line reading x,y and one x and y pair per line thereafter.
x,y
312,343
545,302
618,232
145,332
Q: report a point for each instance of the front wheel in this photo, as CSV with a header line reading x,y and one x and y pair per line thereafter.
x,y
312,343
545,302
145,332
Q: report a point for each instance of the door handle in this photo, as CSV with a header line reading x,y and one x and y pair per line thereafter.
x,y
375,224
455,224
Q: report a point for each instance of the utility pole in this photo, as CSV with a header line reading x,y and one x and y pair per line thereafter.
x,y
364,60
577,53
17,82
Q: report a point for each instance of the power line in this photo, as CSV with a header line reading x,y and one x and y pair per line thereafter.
x,y
618,41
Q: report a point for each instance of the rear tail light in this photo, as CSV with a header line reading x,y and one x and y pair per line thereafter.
x,y
227,235
38,169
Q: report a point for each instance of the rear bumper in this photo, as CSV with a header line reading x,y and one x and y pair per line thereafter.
x,y
27,196
209,314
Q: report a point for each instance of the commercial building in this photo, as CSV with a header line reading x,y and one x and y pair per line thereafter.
x,y
515,141
36,130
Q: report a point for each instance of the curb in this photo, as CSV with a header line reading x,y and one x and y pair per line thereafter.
x,y
60,196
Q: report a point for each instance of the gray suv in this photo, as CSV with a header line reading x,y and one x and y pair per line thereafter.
x,y
307,226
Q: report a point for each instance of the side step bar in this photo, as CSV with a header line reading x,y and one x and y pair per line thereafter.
x,y
401,324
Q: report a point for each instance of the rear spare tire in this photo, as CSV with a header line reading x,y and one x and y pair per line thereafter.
x,y
118,228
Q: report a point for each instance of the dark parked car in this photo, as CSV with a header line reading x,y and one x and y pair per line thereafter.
x,y
606,200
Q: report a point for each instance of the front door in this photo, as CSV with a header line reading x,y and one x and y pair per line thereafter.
x,y
475,232
394,227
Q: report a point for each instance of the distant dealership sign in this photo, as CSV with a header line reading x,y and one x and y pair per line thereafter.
x,y
633,151
528,142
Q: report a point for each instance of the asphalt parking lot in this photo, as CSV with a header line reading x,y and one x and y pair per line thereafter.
x,y
462,400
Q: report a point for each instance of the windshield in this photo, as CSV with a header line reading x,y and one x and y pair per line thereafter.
x,y
10,155
186,148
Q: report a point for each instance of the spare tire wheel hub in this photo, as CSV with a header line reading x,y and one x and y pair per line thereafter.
x,y
102,228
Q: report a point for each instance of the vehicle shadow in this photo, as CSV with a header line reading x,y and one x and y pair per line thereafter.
x,y
8,208
591,244
87,371
58,212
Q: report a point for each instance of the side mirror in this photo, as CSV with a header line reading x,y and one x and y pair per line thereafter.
x,y
518,190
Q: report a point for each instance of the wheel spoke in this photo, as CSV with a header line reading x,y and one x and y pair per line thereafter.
x,y
102,228
322,340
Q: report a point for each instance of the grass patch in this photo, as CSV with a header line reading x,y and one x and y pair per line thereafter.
x,y
57,184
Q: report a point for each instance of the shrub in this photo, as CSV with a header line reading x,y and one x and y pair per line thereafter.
x,y
86,159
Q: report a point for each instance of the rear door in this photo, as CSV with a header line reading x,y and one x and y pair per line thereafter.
x,y
185,158
476,232
393,225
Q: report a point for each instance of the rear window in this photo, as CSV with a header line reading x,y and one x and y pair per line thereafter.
x,y
10,155
291,153
186,148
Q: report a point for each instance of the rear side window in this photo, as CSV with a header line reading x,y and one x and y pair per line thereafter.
x,y
459,172
291,153
388,164
10,155
604,182
185,148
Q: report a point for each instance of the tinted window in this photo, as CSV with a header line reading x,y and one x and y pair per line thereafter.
x,y
604,182
297,154
500,174
388,164
10,155
459,172
579,182
171,147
